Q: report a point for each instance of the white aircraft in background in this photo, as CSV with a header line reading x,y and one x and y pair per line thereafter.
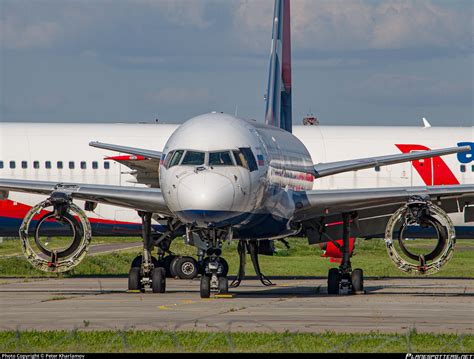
x,y
218,178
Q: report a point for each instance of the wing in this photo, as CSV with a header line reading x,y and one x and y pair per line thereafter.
x,y
145,170
375,205
332,168
143,199
144,164
130,150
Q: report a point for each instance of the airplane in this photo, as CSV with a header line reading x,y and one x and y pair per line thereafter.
x,y
253,183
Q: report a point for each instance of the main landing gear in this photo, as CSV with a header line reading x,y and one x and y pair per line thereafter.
x,y
147,270
344,280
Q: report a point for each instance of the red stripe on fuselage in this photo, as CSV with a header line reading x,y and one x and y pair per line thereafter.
x,y
433,175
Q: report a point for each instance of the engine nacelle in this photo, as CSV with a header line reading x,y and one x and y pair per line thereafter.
x,y
423,219
66,214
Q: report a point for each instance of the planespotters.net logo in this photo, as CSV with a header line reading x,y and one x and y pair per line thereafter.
x,y
439,356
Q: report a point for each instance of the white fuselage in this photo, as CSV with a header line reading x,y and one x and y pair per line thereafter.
x,y
32,151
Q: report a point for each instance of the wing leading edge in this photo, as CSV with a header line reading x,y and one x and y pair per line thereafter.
x,y
378,201
143,199
332,168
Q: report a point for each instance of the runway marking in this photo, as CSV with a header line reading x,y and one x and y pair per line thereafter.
x,y
219,296
176,305
133,291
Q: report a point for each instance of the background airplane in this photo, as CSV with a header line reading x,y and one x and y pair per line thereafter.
x,y
251,182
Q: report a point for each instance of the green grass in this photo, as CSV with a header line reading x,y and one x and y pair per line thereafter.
x,y
300,260
11,247
168,341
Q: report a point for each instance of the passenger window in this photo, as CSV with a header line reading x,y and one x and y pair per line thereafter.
x,y
12,165
106,165
220,159
176,158
83,165
192,158
1,165
95,165
71,165
249,158
47,164
60,165
36,165
24,165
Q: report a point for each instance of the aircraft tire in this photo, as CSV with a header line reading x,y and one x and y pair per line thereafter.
x,y
333,281
186,268
167,264
205,287
134,279
357,279
223,285
158,280
173,272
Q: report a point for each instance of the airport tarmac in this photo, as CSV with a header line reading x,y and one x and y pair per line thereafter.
x,y
295,305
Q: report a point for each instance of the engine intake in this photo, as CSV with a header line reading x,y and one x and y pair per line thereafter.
x,y
67,214
415,217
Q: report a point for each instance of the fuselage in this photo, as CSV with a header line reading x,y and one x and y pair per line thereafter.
x,y
216,173
237,195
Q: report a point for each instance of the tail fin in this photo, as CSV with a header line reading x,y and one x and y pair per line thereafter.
x,y
279,105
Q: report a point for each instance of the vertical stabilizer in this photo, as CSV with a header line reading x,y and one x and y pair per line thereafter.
x,y
278,108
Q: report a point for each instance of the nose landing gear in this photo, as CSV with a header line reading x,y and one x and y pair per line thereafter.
x,y
214,278
214,268
344,280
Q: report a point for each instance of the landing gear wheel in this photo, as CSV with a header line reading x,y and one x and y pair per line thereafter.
x,y
173,272
205,287
134,279
357,279
186,268
225,267
167,264
158,280
223,285
333,281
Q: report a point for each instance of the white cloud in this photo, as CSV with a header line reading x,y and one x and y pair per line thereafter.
x,y
184,13
174,96
410,90
358,25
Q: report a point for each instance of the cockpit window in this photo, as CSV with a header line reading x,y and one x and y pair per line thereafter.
x,y
193,158
220,159
175,158
244,157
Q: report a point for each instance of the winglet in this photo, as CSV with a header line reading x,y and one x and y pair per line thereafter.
x,y
426,123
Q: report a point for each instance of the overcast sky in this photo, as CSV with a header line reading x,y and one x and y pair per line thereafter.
x,y
354,61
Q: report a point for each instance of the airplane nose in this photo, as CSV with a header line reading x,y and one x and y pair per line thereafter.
x,y
205,198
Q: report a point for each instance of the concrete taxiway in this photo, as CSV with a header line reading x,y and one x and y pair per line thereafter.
x,y
390,305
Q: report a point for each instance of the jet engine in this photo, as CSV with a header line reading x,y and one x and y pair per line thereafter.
x,y
420,237
71,230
